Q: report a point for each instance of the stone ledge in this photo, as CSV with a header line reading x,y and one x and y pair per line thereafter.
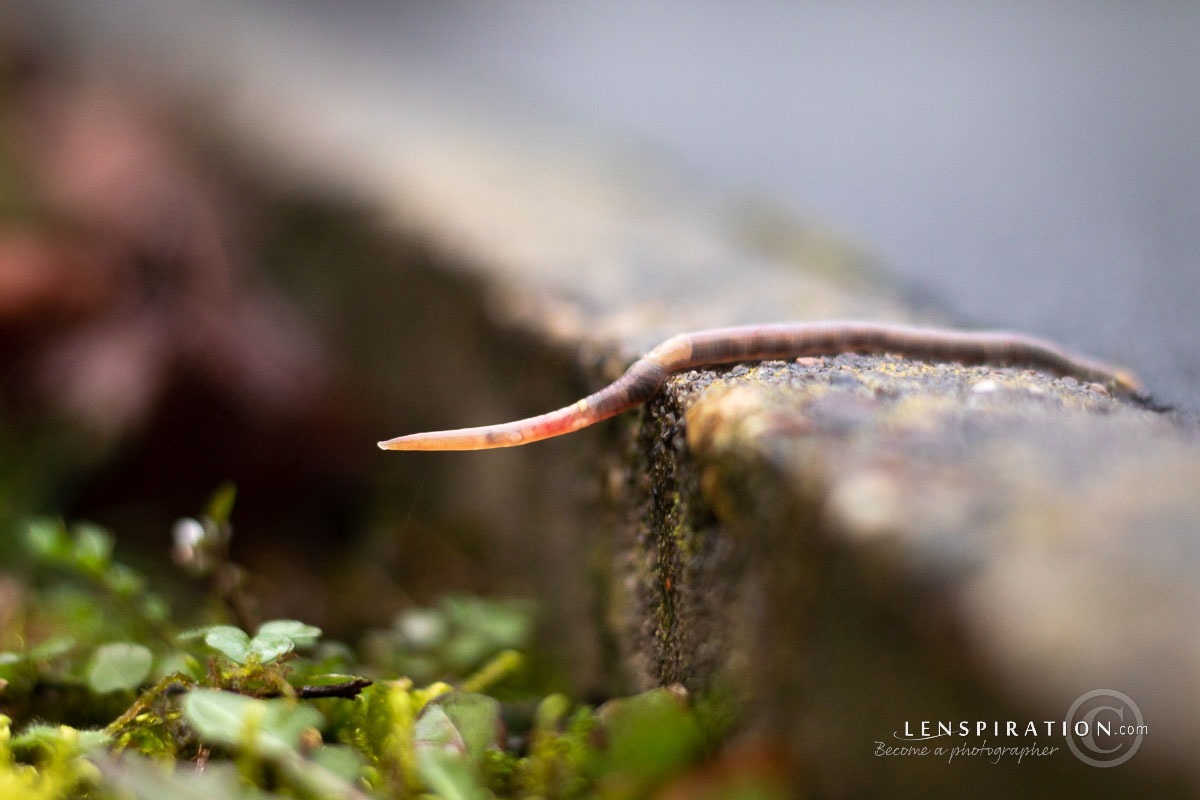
x,y
855,542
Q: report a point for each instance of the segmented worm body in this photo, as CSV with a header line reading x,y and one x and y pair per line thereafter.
x,y
767,342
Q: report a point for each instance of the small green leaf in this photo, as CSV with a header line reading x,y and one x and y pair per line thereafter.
x,y
232,720
124,581
269,647
47,539
285,722
551,711
176,662
220,505
449,777
117,666
273,641
192,634
434,730
650,734
233,642
155,608
301,634
504,625
343,761
51,648
216,715
92,549
499,668
475,718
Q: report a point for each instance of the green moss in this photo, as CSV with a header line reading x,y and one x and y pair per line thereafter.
x,y
251,706
45,762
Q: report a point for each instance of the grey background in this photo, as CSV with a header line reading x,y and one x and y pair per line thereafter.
x,y
1028,165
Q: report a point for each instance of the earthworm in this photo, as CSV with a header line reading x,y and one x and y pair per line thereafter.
x,y
763,343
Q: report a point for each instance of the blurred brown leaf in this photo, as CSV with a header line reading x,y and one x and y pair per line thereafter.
x,y
46,276
133,278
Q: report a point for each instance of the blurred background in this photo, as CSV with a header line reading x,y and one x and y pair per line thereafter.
x,y
1027,164
170,316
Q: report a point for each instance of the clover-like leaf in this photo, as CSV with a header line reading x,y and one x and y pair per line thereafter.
x,y
48,540
233,642
450,777
268,647
233,720
459,722
274,640
301,634
92,548
434,730
52,648
117,666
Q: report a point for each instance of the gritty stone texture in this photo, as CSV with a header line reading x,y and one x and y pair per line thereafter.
x,y
851,543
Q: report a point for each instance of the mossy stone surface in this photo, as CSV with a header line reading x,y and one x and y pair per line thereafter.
x,y
856,542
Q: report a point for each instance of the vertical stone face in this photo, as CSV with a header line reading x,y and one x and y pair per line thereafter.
x,y
856,546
